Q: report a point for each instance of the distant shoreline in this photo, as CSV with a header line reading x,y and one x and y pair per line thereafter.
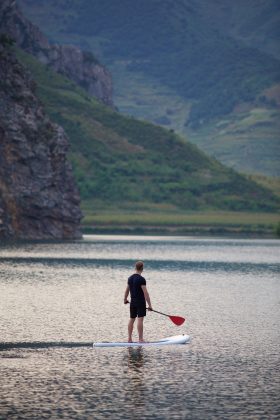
x,y
181,231
128,221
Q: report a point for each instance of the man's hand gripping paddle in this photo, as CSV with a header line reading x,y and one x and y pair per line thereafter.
x,y
177,320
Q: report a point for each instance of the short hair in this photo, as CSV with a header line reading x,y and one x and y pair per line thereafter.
x,y
139,266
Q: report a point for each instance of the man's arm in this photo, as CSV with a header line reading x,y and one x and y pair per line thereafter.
x,y
126,293
147,297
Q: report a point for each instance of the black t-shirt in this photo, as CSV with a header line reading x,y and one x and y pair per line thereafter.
x,y
135,282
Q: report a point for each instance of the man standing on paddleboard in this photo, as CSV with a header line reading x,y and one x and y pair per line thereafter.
x,y
139,295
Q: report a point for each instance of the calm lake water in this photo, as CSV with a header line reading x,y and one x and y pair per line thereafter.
x,y
58,298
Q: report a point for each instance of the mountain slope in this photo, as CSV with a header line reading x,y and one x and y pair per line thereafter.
x,y
81,67
119,159
173,63
170,42
247,140
255,22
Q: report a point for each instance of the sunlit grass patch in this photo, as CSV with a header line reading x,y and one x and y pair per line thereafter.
x,y
176,220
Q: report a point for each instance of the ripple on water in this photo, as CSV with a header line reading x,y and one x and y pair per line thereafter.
x,y
59,298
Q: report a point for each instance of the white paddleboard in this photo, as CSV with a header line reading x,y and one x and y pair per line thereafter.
x,y
176,339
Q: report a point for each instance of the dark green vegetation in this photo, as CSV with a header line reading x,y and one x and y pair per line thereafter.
x,y
170,43
255,22
6,41
184,65
121,160
247,141
278,230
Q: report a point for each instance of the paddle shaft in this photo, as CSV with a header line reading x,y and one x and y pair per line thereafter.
x,y
160,313
177,320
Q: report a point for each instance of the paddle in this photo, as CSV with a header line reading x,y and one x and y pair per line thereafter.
x,y
177,320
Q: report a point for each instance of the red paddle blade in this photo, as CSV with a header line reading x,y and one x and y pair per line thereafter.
x,y
178,320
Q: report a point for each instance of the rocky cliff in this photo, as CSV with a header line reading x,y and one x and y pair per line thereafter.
x,y
38,196
79,66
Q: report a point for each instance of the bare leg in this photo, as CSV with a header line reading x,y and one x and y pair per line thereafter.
x,y
140,322
130,329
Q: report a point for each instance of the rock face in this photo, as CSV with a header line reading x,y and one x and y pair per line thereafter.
x,y
38,196
79,66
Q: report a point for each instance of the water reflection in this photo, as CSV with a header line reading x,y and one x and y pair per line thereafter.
x,y
161,265
56,300
135,358
42,345
137,385
153,249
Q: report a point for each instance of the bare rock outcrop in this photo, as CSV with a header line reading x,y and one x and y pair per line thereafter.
x,y
81,67
38,195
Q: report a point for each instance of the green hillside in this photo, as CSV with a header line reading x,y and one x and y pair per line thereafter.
x,y
169,42
247,140
174,64
255,22
120,160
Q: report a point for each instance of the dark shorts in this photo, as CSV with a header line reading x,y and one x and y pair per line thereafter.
x,y
138,309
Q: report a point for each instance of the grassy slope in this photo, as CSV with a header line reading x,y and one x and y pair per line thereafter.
x,y
118,159
247,141
272,184
169,42
147,222
236,140
255,22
